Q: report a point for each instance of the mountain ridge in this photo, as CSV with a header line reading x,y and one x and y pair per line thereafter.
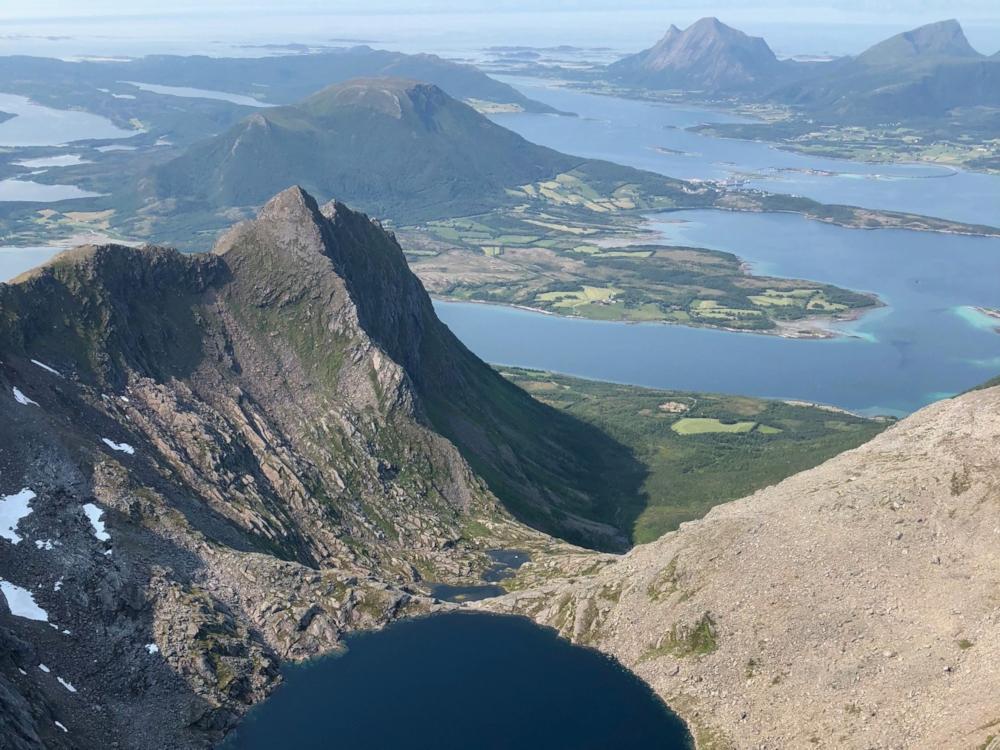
x,y
851,605
400,149
707,55
237,458
939,39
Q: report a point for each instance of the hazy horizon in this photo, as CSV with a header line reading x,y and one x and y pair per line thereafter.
x,y
59,28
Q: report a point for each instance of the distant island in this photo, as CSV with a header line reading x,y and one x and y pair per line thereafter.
x,y
922,95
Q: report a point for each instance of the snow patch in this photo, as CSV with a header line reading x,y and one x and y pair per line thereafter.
x,y
45,544
123,447
22,603
152,648
58,724
46,367
14,508
44,668
21,671
58,585
94,515
66,684
22,399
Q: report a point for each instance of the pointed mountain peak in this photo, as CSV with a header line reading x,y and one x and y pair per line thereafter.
x,y
709,22
941,39
707,55
291,204
289,226
712,27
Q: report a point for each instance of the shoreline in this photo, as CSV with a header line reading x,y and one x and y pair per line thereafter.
x,y
815,328
633,94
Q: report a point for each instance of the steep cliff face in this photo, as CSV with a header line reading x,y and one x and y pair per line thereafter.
x,y
213,463
851,606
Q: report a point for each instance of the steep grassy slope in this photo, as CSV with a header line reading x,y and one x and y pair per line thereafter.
x,y
923,73
701,449
398,149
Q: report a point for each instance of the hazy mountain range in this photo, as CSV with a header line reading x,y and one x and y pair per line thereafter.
x,y
925,72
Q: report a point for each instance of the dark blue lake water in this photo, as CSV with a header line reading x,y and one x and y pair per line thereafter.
x,y
460,681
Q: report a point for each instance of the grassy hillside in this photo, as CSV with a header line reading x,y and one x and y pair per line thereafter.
x,y
700,449
397,149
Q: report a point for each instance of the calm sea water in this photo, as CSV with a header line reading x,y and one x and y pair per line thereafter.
x,y
647,135
208,28
461,681
925,345
16,260
36,125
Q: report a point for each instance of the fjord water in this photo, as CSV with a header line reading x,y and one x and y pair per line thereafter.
x,y
37,125
458,681
16,260
923,346
655,137
918,349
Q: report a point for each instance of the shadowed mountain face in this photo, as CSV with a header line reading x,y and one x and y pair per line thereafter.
x,y
238,457
398,149
707,56
923,73
401,150
944,39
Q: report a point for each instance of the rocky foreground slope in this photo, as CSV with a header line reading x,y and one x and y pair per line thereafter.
x,y
856,605
213,463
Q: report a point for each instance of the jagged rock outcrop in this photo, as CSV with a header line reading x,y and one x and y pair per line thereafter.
x,y
233,459
851,606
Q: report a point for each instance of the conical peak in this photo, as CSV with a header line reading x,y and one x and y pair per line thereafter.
x,y
291,204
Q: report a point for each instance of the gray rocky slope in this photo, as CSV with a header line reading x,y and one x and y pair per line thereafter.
x,y
855,605
233,459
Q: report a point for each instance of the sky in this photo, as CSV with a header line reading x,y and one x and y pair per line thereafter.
x,y
71,29
818,9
